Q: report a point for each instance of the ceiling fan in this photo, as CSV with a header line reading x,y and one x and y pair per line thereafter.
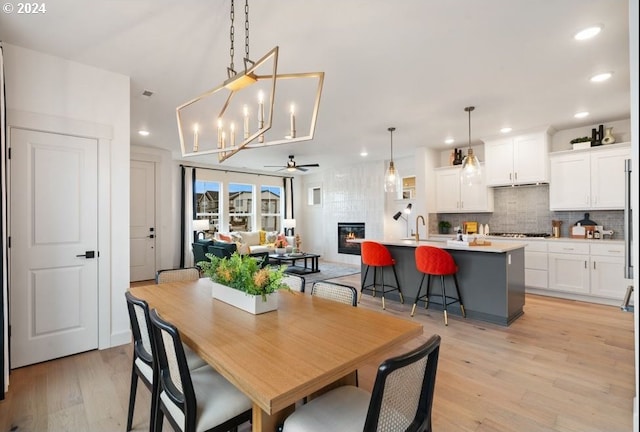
x,y
292,166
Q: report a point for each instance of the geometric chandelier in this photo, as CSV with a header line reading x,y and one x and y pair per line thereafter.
x,y
245,112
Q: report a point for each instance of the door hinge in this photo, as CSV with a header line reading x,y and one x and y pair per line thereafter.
x,y
9,241
9,153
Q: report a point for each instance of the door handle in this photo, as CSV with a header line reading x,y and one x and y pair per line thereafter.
x,y
151,236
88,254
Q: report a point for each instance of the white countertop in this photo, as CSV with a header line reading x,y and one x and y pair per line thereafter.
x,y
445,237
495,247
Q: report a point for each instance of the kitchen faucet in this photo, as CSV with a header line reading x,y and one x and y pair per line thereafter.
x,y
417,231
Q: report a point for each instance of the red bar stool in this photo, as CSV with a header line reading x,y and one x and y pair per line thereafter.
x,y
377,256
437,262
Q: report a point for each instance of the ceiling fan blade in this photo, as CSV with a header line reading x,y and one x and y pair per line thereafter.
x,y
274,166
300,168
308,165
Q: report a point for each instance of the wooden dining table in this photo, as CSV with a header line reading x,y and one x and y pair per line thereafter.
x,y
279,357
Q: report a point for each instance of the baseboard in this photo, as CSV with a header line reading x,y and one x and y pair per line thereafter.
x,y
121,338
636,422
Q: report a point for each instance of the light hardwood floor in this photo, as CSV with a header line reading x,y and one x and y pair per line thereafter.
x,y
564,366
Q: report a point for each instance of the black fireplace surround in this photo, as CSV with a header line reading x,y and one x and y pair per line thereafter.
x,y
347,231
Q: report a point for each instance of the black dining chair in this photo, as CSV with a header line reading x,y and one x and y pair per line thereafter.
x,y
401,399
142,367
193,400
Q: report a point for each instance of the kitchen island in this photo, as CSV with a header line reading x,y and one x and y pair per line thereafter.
x,y
491,278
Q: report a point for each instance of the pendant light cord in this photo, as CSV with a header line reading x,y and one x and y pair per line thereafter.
x,y
469,109
391,129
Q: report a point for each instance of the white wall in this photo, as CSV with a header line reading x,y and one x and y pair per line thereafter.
x,y
54,88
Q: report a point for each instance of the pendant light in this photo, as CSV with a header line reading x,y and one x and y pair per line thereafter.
x,y
471,172
391,176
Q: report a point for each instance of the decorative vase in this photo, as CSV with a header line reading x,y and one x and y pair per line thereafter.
x,y
608,136
247,302
281,251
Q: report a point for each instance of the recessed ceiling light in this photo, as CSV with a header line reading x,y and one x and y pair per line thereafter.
x,y
449,141
143,132
505,130
582,114
601,77
364,153
587,33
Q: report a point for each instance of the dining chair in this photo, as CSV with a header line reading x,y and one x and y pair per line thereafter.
x,y
401,399
294,282
176,275
335,291
193,400
143,354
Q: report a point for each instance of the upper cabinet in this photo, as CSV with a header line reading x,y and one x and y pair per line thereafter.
x,y
588,179
521,159
452,196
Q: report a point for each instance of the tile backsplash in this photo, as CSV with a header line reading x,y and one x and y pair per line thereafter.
x,y
526,209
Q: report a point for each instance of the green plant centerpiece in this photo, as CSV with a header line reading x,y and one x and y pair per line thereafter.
x,y
444,226
580,139
243,272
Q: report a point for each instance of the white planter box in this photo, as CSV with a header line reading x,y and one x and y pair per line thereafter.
x,y
249,303
582,145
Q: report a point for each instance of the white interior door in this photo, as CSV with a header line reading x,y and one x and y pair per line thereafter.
x,y
54,246
142,228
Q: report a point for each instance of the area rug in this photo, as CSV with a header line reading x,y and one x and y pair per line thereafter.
x,y
331,270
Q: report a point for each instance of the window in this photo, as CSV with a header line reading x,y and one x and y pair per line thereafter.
x,y
207,195
240,205
271,208
314,196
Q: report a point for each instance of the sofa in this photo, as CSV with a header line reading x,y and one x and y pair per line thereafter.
x,y
254,241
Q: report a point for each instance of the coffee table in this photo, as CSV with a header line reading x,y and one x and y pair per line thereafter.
x,y
308,258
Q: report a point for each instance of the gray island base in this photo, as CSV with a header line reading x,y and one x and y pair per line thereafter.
x,y
491,279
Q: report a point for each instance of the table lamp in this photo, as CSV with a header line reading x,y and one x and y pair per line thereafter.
x,y
200,225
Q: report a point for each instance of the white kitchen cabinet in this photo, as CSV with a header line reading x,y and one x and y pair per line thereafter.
x,y
522,159
588,179
452,196
569,267
536,265
607,271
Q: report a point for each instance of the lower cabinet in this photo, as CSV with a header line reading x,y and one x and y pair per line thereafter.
x,y
596,270
607,271
536,265
569,267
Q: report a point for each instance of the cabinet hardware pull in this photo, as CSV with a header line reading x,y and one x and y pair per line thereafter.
x,y
567,249
516,175
613,251
594,265
509,176
585,264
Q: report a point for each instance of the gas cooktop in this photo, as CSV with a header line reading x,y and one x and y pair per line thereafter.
x,y
519,235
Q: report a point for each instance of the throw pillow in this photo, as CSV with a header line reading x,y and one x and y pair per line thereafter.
x,y
252,238
271,237
224,237
263,237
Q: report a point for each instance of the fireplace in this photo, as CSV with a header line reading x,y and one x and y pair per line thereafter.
x,y
348,231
